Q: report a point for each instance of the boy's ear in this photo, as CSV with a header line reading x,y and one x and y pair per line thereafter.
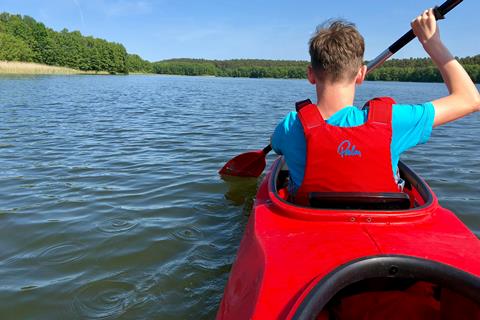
x,y
311,75
362,73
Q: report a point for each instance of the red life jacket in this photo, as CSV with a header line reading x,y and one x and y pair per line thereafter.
x,y
348,159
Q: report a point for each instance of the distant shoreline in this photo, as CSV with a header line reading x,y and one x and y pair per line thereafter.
x,y
30,68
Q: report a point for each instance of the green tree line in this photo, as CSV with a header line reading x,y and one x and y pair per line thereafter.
x,y
421,70
24,39
413,69
233,68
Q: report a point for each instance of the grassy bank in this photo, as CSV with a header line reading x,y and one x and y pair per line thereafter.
x,y
13,67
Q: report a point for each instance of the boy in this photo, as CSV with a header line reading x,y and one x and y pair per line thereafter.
x,y
333,146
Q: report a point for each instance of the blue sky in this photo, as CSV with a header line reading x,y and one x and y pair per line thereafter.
x,y
225,29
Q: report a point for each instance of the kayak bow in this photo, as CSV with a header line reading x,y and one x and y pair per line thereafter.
x,y
299,262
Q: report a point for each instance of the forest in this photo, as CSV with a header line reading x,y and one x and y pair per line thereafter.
x,y
248,68
413,69
22,38
421,70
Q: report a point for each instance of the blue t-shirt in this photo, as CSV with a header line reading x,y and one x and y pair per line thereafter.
x,y
411,125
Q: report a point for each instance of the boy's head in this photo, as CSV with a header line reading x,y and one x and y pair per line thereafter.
x,y
336,52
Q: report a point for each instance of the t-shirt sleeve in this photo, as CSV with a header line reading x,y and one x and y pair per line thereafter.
x,y
279,137
411,125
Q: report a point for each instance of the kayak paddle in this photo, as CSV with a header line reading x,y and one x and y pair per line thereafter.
x,y
249,164
439,12
252,164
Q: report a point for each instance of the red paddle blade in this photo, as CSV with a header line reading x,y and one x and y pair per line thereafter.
x,y
249,164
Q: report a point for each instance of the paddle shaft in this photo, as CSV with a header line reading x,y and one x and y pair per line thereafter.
x,y
267,149
440,13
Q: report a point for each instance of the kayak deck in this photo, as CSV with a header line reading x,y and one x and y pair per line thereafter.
x,y
287,250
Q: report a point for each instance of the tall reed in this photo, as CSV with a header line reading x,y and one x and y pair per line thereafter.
x,y
14,67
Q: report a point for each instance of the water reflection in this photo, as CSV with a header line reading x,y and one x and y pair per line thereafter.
x,y
241,191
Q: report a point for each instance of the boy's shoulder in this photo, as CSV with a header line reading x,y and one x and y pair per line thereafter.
x,y
290,120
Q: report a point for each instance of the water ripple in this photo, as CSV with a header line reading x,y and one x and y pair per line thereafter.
x,y
117,225
188,234
104,299
62,253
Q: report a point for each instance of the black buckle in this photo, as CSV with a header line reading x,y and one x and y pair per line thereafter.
x,y
300,104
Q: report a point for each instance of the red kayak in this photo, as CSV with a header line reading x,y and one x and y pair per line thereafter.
x,y
353,256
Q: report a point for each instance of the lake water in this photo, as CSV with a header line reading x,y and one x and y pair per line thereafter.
x,y
110,202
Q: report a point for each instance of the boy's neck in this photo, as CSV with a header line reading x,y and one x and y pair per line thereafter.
x,y
331,97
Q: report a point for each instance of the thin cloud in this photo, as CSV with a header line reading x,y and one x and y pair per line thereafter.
x,y
127,8
80,11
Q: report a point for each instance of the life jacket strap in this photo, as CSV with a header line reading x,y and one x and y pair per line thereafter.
x,y
380,109
310,117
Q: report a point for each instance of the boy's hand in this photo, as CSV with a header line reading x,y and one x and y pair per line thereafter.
x,y
425,28
463,97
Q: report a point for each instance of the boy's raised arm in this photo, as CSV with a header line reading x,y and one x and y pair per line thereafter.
x,y
464,97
